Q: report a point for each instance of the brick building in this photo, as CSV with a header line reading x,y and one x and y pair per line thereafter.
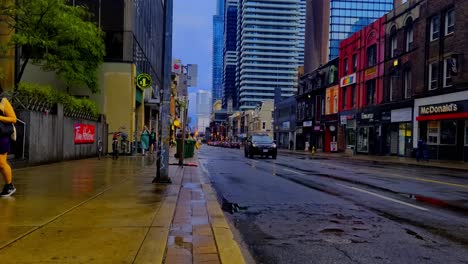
x,y
312,122
361,72
404,51
440,115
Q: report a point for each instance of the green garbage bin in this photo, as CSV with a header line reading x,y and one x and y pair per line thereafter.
x,y
189,148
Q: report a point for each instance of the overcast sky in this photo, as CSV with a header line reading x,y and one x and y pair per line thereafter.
x,y
192,39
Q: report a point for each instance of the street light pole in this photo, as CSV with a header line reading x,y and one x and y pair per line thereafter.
x,y
162,173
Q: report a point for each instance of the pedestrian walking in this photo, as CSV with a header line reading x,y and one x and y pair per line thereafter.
x,y
421,153
152,141
144,139
115,147
7,132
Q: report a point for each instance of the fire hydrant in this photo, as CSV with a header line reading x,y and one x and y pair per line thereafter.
x,y
313,150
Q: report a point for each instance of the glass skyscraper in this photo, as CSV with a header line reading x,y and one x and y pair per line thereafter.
x,y
218,44
349,16
330,21
230,54
268,53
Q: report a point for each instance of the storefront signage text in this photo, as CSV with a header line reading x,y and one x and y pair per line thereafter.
x,y
439,109
84,134
307,124
348,80
371,71
367,116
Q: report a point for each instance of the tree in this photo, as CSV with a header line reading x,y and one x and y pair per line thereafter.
x,y
57,37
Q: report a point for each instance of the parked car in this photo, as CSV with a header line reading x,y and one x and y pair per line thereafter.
x,y
260,144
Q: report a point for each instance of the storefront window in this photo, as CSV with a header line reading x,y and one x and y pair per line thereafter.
x,y
448,132
350,137
433,133
363,139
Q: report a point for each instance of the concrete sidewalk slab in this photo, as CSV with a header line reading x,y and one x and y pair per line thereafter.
x,y
108,211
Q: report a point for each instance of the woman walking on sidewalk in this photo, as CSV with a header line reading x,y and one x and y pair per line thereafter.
x,y
7,117
144,139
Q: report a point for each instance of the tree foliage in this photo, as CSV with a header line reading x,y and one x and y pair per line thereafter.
x,y
58,37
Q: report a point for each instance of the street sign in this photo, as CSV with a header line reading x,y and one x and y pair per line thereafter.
x,y
143,80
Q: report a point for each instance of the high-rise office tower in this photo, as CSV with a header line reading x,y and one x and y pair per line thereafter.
x,y
268,35
218,39
330,21
203,107
302,22
230,54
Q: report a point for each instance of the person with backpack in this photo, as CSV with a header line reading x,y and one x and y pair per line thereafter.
x,y
7,132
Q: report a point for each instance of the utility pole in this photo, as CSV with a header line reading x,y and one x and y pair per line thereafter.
x,y
162,172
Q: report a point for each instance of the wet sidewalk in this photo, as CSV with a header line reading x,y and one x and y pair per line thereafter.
x,y
457,165
105,211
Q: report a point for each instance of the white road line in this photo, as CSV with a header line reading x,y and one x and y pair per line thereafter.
x,y
294,171
384,197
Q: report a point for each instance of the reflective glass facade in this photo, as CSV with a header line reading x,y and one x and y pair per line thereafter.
x,y
230,54
349,16
218,44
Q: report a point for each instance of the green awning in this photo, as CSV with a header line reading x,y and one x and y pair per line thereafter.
x,y
139,96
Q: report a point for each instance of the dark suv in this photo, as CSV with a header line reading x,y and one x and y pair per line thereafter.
x,y
260,144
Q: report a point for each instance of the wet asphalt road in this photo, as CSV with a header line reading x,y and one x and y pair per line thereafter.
x,y
300,210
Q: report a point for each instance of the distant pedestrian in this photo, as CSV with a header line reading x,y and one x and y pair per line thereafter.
x,y
115,147
152,141
422,153
144,139
7,118
291,145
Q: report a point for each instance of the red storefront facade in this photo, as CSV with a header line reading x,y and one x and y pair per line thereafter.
x,y
361,74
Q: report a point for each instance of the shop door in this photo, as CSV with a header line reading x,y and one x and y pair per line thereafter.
x,y
363,140
393,142
401,140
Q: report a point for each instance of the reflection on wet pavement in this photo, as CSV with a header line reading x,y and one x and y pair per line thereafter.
x,y
63,212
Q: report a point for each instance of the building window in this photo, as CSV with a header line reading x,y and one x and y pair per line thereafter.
x,y
433,133
435,25
393,42
354,62
353,96
327,110
406,84
370,85
335,104
409,34
433,73
372,55
322,106
448,71
345,66
344,98
393,79
450,22
263,125
448,132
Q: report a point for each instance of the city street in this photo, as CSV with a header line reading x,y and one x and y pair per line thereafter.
x,y
300,209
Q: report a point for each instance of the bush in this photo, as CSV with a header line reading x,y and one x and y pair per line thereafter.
x,y
30,93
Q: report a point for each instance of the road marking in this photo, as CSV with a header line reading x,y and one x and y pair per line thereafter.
x,y
399,176
384,197
294,171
